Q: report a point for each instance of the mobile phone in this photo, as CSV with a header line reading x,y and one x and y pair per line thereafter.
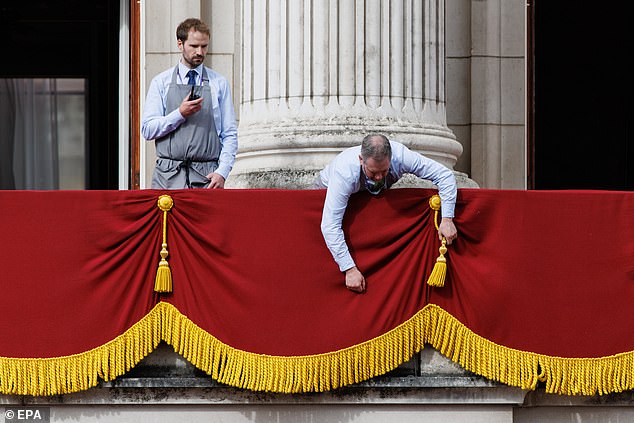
x,y
193,95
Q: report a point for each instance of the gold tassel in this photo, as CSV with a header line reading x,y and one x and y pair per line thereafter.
x,y
438,273
437,276
163,282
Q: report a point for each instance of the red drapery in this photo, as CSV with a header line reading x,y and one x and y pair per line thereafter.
x,y
537,287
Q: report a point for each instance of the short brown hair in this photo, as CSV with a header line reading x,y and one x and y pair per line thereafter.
x,y
183,28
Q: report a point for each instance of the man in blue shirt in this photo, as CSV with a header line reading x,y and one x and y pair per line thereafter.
x,y
377,164
189,113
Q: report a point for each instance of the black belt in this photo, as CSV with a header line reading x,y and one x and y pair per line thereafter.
x,y
187,164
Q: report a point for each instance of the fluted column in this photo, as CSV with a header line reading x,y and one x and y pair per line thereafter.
x,y
318,75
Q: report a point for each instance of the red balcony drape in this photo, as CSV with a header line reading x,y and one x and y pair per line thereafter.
x,y
537,288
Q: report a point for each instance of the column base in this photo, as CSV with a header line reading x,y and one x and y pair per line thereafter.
x,y
304,179
281,179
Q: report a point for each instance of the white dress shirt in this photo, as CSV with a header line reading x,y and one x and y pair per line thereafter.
x,y
156,123
342,178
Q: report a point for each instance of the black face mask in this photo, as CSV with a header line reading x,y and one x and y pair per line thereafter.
x,y
374,187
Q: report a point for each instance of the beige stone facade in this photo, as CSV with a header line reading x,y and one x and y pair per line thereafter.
x,y
450,88
470,115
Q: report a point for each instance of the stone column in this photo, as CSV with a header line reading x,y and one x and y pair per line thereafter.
x,y
318,75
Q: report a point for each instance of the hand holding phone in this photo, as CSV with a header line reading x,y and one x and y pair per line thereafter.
x,y
193,95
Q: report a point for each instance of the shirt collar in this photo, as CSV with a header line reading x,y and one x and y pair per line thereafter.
x,y
182,72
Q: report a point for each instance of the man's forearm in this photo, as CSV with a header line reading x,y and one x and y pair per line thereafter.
x,y
339,249
336,243
227,156
157,126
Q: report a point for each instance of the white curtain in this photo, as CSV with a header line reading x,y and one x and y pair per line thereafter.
x,y
28,134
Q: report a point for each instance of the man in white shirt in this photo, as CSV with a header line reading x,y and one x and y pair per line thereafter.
x,y
377,164
189,113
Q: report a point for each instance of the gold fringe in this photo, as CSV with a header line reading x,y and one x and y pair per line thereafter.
x,y
564,376
320,372
163,281
309,373
78,372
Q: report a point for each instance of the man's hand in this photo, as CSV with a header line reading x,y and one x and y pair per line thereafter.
x,y
355,280
217,181
188,108
447,229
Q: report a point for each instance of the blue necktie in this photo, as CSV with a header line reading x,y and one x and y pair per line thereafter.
x,y
192,77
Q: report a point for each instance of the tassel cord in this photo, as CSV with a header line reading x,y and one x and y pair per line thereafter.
x,y
163,281
439,272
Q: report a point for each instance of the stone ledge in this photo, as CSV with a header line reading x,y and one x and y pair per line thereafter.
x,y
180,391
164,377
